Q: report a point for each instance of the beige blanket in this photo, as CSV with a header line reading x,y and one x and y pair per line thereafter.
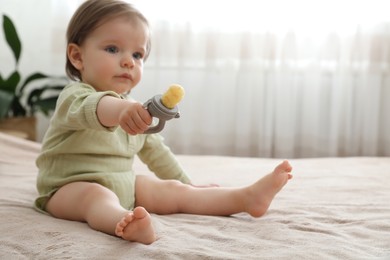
x,y
333,208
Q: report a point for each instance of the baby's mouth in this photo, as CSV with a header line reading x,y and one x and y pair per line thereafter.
x,y
125,76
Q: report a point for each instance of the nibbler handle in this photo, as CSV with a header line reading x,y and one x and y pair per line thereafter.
x,y
158,110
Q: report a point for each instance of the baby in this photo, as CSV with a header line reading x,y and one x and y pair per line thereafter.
x,y
85,167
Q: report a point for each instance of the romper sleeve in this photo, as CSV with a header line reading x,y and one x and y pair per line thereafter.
x,y
160,159
77,105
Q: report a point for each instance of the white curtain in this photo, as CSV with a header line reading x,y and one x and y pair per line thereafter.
x,y
281,79
274,78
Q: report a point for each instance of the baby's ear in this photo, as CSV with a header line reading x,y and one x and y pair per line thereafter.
x,y
74,55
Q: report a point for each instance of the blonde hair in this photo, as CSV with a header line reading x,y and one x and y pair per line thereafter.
x,y
92,14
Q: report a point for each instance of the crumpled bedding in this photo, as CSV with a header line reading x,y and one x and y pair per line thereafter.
x,y
333,208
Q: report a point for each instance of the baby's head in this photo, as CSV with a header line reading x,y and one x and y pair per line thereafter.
x,y
92,14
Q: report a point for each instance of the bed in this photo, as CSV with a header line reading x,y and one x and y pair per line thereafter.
x,y
333,208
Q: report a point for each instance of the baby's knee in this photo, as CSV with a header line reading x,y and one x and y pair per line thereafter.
x,y
176,185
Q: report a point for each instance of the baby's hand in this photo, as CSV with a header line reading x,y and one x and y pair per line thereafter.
x,y
135,119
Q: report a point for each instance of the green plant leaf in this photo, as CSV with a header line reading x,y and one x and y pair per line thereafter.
x,y
17,108
35,95
46,105
11,83
5,103
2,82
12,37
31,78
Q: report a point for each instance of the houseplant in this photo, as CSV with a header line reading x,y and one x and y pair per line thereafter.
x,y
20,100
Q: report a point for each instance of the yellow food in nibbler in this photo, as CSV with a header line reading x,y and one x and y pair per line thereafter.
x,y
172,96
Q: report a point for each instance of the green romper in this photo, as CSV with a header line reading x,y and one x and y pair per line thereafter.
x,y
77,147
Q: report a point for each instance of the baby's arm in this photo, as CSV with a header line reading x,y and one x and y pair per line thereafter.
x,y
130,115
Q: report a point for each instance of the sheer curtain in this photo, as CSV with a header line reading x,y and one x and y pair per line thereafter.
x,y
281,79
274,78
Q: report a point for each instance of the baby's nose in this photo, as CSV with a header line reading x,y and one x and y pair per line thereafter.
x,y
127,61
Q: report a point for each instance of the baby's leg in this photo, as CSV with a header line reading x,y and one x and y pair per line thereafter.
x,y
166,197
100,208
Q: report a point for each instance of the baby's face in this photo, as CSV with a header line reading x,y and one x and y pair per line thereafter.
x,y
113,55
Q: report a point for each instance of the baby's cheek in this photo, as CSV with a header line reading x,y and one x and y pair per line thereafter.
x,y
137,76
105,70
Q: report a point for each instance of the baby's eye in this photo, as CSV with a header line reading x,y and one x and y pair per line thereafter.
x,y
111,49
137,56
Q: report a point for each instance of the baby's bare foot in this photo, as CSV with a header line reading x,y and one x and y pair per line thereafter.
x,y
264,190
136,227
